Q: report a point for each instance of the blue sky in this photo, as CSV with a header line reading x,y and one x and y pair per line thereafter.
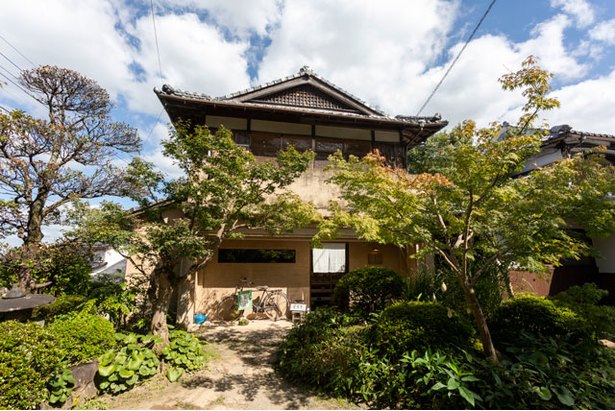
x,y
390,53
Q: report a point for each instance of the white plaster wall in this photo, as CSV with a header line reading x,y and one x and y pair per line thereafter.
x,y
116,264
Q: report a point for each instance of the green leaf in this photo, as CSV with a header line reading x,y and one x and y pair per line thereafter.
x,y
107,358
564,396
467,395
544,393
126,373
438,386
174,374
106,370
452,384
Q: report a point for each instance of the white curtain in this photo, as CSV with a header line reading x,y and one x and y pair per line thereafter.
x,y
331,258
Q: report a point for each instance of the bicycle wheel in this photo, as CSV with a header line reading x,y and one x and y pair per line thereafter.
x,y
275,306
227,309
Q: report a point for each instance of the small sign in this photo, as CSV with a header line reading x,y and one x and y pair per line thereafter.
x,y
244,300
298,307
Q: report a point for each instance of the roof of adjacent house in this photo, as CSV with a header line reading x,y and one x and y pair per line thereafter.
x,y
304,97
565,134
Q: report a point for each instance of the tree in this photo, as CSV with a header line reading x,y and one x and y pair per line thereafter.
x,y
47,163
225,190
464,205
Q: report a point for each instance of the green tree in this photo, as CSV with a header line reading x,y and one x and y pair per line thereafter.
x,y
224,190
47,163
464,205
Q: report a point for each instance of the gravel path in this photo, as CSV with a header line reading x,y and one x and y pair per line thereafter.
x,y
240,376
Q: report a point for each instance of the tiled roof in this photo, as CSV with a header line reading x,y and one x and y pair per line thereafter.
x,y
299,98
304,71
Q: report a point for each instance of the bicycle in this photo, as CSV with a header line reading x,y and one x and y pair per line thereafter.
x,y
272,302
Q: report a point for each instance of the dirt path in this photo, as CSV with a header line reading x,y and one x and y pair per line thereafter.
x,y
240,376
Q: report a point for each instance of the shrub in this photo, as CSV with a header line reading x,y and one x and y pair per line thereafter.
x,y
407,326
320,351
66,266
29,354
64,304
113,299
83,336
368,290
548,373
123,369
536,316
584,301
184,353
426,285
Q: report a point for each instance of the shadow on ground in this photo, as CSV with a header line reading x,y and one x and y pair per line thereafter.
x,y
254,374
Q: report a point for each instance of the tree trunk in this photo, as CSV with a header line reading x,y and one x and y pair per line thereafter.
x,y
164,290
34,233
481,322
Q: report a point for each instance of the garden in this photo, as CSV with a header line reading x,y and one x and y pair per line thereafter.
x,y
411,345
85,344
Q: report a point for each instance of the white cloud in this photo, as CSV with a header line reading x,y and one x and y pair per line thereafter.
x,y
587,105
581,10
163,163
241,17
604,31
372,49
548,44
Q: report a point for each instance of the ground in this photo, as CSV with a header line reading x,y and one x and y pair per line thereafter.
x,y
238,376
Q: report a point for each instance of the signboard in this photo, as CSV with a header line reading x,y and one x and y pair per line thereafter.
x,y
298,307
244,300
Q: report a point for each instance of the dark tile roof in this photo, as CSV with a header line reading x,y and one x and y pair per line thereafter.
x,y
298,97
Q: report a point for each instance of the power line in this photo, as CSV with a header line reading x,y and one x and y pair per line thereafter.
x,y
155,124
15,84
156,39
11,61
18,52
456,58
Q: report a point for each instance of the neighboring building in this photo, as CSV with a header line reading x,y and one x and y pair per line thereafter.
x,y
108,262
308,112
561,142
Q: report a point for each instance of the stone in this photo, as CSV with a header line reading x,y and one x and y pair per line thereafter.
x,y
84,388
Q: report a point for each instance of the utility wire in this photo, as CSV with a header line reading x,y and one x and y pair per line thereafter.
x,y
155,124
18,52
456,58
11,61
15,84
156,39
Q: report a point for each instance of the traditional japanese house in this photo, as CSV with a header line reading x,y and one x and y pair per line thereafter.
x,y
561,142
308,112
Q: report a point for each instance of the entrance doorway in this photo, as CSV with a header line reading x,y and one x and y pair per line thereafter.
x,y
329,264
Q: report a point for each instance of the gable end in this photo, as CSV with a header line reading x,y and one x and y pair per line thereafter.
x,y
305,96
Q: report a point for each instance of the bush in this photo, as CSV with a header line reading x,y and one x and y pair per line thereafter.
x,y
64,304
321,351
584,301
536,316
548,373
426,285
184,353
82,336
66,266
125,368
29,355
536,372
407,326
113,299
368,290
